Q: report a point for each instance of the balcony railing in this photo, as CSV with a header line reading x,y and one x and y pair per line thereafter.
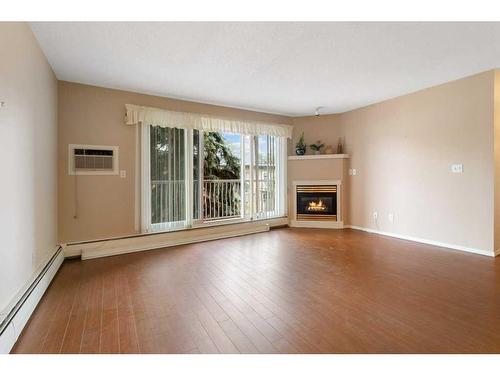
x,y
220,199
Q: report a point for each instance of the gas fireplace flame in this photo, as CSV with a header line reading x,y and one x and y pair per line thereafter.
x,y
316,206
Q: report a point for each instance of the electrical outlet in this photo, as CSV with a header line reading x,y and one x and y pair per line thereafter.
x,y
391,218
123,173
375,215
457,168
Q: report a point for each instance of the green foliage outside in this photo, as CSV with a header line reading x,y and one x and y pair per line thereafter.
x,y
168,176
220,162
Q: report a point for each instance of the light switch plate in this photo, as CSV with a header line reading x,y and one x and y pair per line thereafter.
x,y
391,218
457,168
354,172
123,173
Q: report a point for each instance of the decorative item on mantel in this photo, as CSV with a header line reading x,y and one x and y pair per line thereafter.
x,y
329,150
316,147
340,147
300,147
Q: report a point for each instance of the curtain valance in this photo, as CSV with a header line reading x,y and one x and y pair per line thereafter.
x,y
184,120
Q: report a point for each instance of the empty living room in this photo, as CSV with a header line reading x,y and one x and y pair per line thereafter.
x,y
236,185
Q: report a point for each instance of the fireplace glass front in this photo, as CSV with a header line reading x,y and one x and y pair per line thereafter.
x,y
316,202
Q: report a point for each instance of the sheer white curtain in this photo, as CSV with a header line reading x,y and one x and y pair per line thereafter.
x,y
166,182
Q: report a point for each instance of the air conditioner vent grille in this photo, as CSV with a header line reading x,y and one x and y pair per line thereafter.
x,y
87,159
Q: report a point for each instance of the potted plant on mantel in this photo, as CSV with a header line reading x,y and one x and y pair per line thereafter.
x,y
316,147
300,147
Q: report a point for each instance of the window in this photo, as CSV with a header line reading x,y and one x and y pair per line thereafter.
x,y
168,177
222,176
191,178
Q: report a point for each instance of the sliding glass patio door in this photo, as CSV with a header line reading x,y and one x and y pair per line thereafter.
x,y
264,179
195,178
168,178
268,167
221,166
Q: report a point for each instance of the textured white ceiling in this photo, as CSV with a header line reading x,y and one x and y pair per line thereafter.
x,y
285,68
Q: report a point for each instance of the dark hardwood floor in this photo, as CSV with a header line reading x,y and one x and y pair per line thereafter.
x,y
286,291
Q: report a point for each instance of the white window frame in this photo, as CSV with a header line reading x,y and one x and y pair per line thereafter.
x,y
281,185
145,179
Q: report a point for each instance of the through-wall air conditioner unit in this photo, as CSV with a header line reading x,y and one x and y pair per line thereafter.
x,y
92,160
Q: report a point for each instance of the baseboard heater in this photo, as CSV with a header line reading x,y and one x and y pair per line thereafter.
x,y
17,317
110,247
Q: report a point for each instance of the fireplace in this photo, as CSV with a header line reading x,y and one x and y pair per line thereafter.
x,y
316,202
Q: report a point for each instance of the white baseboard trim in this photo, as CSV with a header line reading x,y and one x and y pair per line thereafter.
x,y
104,248
14,322
426,241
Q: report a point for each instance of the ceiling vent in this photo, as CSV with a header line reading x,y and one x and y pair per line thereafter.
x,y
92,160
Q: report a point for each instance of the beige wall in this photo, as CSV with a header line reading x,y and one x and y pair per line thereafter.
x,y
28,144
93,115
325,128
403,149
